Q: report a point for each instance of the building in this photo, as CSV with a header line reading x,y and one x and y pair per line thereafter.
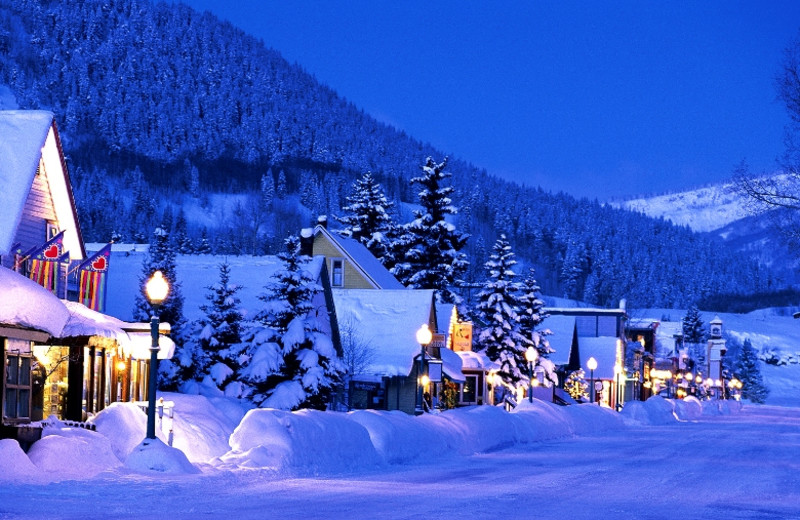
x,y
61,357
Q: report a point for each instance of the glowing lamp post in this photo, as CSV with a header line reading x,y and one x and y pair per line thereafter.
x,y
591,364
424,337
531,355
157,290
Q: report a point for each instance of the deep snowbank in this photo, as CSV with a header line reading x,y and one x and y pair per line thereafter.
x,y
219,434
657,410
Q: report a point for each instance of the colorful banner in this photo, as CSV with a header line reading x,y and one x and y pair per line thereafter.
x,y
93,275
43,267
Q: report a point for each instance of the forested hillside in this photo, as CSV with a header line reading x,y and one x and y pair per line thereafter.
x,y
170,116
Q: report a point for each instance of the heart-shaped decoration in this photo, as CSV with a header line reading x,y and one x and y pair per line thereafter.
x,y
99,263
51,252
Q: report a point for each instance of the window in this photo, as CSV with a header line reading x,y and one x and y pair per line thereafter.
x,y
17,399
468,392
337,272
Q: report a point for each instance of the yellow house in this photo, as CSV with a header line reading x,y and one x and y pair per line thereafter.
x,y
350,264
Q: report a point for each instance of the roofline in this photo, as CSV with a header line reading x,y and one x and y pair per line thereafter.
x,y
345,253
69,187
580,311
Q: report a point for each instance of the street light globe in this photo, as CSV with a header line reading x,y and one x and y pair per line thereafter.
x,y
157,288
531,355
424,335
591,364
425,380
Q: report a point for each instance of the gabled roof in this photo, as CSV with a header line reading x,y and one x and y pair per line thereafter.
x,y
563,330
27,136
388,321
604,350
362,260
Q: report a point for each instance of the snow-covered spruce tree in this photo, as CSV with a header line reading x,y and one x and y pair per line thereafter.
x,y
497,311
576,385
367,219
161,257
531,315
215,358
289,363
694,336
428,250
747,370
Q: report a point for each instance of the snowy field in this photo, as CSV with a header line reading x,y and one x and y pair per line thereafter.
x,y
656,460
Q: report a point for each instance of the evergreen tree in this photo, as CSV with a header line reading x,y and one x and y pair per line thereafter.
x,y
368,219
161,257
290,363
428,250
220,331
531,315
497,312
748,371
267,188
694,337
281,190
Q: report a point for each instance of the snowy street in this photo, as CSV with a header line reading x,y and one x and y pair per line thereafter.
x,y
743,465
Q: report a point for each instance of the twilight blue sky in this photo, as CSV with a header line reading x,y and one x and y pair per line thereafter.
x,y
599,99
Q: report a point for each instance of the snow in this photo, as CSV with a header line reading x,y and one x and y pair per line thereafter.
x,y
388,320
25,303
24,133
652,461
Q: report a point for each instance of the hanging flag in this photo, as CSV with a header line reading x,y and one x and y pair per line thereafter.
x,y
44,262
93,273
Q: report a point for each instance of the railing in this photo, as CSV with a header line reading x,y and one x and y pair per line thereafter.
x,y
165,415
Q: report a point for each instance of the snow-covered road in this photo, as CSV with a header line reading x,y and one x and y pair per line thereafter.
x,y
745,465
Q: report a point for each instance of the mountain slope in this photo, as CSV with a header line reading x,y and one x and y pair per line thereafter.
x,y
173,118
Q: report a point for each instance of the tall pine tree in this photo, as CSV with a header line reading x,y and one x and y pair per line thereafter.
x,y
219,334
694,336
748,371
497,311
368,219
290,364
428,250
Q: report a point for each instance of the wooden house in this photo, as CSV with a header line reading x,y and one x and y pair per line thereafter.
x,y
349,263
62,353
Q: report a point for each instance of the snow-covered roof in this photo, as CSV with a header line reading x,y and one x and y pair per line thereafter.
x,y
27,304
388,320
562,328
24,303
477,361
362,259
23,136
604,350
451,365
27,136
195,273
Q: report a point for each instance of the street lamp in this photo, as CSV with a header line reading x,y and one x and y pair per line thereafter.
x,y
591,364
617,372
157,289
424,337
531,355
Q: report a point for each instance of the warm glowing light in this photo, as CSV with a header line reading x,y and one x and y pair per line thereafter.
x,y
120,366
698,379
717,383
535,382
591,364
424,335
617,369
157,288
531,355
709,382
425,380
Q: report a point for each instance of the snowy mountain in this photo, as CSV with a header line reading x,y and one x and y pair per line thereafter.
x,y
721,212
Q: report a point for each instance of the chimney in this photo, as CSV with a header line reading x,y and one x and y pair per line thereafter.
x,y
322,220
307,242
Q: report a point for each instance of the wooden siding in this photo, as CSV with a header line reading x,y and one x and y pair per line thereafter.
x,y
39,209
353,279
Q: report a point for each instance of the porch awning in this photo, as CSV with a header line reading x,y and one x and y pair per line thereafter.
x,y
451,365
